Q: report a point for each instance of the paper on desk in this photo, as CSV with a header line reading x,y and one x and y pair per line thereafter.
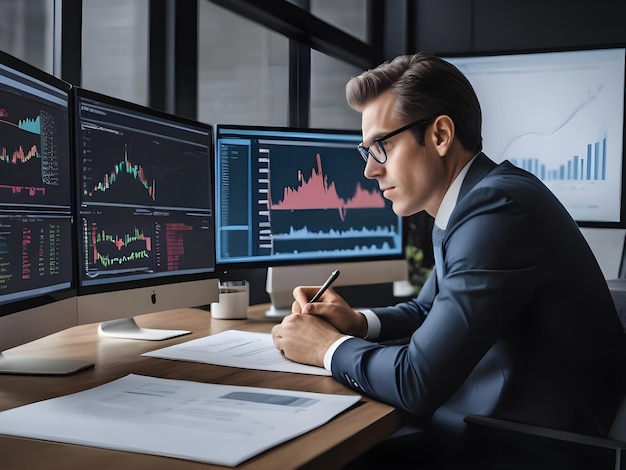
x,y
218,424
235,348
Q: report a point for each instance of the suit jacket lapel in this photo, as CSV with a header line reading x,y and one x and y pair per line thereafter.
x,y
481,166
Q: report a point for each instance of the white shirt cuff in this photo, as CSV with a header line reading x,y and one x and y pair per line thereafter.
x,y
373,324
373,330
328,357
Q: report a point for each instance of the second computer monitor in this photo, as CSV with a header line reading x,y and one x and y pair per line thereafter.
x,y
296,201
145,211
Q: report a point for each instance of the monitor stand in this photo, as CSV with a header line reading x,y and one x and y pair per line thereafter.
x,y
127,328
25,365
277,312
281,280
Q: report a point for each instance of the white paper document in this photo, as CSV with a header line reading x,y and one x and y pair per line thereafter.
x,y
218,424
236,348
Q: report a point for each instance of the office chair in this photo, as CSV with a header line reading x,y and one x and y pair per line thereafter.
x,y
616,437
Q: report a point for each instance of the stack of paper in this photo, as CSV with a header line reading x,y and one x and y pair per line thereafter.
x,y
218,424
235,348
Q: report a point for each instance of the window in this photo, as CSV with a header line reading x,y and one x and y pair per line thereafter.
x,y
242,68
26,31
348,15
115,48
329,75
329,107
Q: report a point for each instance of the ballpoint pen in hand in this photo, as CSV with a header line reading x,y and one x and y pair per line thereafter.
x,y
334,275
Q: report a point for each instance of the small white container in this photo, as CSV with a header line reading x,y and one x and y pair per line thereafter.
x,y
234,298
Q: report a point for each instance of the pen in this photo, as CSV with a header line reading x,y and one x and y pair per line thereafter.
x,y
334,275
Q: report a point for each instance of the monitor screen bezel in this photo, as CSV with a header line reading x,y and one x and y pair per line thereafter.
x,y
161,280
226,266
61,291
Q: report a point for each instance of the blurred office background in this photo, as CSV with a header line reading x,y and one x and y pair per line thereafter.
x,y
279,62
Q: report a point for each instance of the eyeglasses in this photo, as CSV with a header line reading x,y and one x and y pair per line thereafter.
x,y
377,149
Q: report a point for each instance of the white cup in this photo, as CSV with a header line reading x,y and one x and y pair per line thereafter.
x,y
234,299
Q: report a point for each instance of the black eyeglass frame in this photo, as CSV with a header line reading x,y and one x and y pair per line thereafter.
x,y
366,151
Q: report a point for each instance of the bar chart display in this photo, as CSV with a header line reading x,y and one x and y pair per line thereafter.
x,y
591,168
294,195
560,116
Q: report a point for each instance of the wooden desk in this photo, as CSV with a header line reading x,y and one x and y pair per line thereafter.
x,y
331,446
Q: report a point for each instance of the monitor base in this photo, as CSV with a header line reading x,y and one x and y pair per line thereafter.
x,y
277,312
126,328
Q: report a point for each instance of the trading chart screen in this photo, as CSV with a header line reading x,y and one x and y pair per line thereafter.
x,y
35,183
145,193
295,195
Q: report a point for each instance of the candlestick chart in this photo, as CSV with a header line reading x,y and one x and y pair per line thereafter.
x,y
33,152
122,166
122,242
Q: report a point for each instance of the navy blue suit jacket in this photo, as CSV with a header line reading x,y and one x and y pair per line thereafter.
x,y
521,325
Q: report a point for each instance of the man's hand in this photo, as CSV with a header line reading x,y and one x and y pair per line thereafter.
x,y
332,308
306,334
304,338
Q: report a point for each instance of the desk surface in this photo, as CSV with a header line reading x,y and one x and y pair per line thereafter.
x,y
330,446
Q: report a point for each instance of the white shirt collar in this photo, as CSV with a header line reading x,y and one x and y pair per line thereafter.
x,y
448,202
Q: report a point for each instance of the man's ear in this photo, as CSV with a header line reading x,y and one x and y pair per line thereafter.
x,y
442,134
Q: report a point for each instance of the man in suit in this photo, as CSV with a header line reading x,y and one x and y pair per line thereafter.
x,y
516,320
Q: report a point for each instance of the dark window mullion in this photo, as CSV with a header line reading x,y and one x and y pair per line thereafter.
x,y
186,59
68,24
299,84
173,57
157,51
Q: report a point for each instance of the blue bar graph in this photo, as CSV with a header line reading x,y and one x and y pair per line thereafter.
x,y
591,167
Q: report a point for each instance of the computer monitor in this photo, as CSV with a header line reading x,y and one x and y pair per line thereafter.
x,y
560,115
146,239
37,288
296,201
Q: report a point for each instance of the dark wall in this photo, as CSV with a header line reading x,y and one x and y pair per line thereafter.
x,y
450,26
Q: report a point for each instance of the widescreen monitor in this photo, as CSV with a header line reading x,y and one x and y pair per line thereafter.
x,y
145,214
559,115
296,201
37,288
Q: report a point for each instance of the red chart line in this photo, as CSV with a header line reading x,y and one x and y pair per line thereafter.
x,y
315,192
